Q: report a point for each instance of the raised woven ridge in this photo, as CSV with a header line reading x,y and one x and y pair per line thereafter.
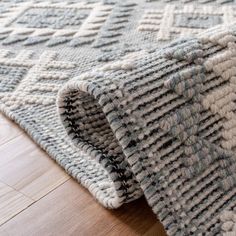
x,y
169,118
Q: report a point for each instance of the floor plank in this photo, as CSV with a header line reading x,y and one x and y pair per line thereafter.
x,y
28,169
9,130
155,230
70,210
11,202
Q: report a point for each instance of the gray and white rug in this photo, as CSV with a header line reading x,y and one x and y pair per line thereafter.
x,y
131,98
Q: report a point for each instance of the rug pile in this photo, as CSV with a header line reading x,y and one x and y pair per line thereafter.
x,y
131,98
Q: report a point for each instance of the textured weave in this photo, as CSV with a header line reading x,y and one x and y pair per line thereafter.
x,y
135,119
167,120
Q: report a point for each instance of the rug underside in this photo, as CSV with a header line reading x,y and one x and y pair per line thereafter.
x,y
131,98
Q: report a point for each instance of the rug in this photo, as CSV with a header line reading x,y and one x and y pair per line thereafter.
x,y
130,98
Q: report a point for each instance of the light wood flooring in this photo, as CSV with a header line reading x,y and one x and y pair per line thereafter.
x,y
37,198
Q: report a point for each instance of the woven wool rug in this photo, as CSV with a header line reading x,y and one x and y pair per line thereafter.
x,y
131,98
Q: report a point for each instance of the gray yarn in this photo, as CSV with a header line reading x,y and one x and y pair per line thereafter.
x,y
134,119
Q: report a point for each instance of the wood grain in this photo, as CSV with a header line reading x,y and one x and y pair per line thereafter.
x,y
11,202
38,198
74,212
27,168
9,130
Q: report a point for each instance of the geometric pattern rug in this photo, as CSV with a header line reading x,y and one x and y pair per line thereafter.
x,y
45,44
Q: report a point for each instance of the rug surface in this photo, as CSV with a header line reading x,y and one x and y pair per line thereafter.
x,y
98,86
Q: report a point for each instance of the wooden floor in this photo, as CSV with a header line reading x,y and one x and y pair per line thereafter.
x,y
38,198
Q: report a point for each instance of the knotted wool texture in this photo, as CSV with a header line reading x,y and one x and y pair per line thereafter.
x,y
127,114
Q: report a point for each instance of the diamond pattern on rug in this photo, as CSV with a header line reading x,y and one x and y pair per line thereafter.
x,y
184,124
32,89
99,24
188,20
49,17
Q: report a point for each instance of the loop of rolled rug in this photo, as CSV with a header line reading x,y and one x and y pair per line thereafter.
x,y
163,124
